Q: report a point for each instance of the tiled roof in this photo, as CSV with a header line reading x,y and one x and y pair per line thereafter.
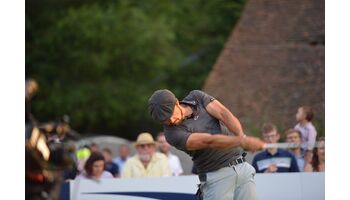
x,y
273,62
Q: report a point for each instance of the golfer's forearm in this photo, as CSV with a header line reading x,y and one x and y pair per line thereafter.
x,y
224,142
217,141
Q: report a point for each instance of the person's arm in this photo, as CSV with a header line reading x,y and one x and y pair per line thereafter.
x,y
220,112
308,168
271,169
310,145
294,165
205,140
308,157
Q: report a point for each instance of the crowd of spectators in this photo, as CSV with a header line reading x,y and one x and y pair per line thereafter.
x,y
305,155
153,158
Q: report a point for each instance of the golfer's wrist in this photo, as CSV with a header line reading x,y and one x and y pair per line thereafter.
x,y
242,141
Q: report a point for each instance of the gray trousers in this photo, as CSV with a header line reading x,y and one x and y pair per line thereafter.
x,y
230,183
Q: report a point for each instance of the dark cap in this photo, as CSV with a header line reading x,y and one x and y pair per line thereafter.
x,y
161,105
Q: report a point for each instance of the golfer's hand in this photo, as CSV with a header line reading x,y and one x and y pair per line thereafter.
x,y
252,144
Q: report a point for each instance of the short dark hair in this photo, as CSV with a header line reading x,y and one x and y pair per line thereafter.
x,y
315,161
268,127
107,150
95,156
93,144
308,112
292,130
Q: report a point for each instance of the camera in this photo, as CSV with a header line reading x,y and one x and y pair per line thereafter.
x,y
47,157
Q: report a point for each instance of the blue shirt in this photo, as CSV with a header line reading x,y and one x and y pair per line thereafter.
x,y
112,168
120,162
284,160
300,161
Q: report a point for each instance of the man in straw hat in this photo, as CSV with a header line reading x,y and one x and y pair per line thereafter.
x,y
147,162
193,126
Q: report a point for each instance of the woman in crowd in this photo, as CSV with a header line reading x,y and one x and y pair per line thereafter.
x,y
318,159
95,168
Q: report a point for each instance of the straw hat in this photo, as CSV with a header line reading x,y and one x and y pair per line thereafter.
x,y
144,138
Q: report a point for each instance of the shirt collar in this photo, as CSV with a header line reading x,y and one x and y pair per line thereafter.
x,y
194,107
269,154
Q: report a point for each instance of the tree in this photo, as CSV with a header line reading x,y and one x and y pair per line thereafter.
x,y
99,61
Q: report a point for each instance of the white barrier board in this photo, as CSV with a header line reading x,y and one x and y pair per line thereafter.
x,y
286,186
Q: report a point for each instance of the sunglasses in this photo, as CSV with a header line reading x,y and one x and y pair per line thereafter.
x,y
145,145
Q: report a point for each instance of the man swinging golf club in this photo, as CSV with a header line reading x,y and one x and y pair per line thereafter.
x,y
193,126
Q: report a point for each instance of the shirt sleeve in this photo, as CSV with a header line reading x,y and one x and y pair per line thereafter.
x,y
254,164
177,136
107,174
178,169
202,97
115,170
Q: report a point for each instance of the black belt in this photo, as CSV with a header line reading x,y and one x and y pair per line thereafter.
x,y
203,176
237,161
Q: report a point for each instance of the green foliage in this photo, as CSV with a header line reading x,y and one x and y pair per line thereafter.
x,y
99,61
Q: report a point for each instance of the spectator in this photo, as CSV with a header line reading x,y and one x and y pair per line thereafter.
x,y
82,154
110,166
318,159
147,162
173,160
294,136
123,156
93,147
273,159
304,116
94,168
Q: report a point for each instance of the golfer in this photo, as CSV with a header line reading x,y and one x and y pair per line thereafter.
x,y
194,125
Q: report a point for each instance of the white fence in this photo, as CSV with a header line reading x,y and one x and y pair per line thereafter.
x,y
286,186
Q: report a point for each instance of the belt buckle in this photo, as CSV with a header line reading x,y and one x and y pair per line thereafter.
x,y
233,163
230,165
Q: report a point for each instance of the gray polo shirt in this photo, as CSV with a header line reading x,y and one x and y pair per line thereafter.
x,y
206,160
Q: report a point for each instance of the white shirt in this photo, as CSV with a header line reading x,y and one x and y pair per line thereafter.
x,y
175,165
104,175
308,135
